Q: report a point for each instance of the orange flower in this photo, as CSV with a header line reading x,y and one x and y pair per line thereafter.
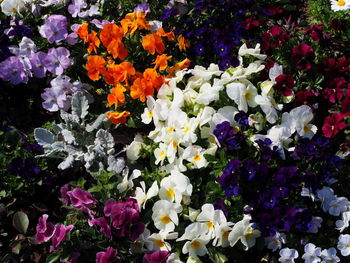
x,y
117,49
153,43
170,35
117,95
161,62
93,41
178,66
183,43
141,88
134,21
95,67
152,76
118,117
120,72
82,31
111,32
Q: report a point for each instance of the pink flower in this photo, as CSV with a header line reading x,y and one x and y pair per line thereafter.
x,y
103,224
125,217
106,257
156,257
302,56
44,231
60,235
81,200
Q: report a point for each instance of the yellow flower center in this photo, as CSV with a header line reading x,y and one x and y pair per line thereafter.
x,y
14,10
161,154
186,129
165,219
248,96
171,129
225,234
210,224
171,193
306,129
175,144
341,2
159,243
138,244
197,158
196,244
150,114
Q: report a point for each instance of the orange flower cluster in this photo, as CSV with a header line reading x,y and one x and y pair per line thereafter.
x,y
123,76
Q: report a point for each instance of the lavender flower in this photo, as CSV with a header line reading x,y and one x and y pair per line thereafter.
x,y
74,8
54,28
38,68
57,60
16,70
55,99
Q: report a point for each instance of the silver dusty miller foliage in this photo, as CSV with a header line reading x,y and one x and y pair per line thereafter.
x,y
76,140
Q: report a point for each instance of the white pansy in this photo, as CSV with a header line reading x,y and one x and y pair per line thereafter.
x,y
276,241
174,187
160,153
279,136
205,115
254,67
12,7
256,120
344,245
342,224
315,224
147,115
211,218
196,247
338,205
269,106
222,232
188,131
244,232
133,150
195,155
193,231
288,255
298,120
141,196
255,52
200,72
312,253
158,240
174,258
329,255
325,195
138,246
127,181
243,94
164,215
208,93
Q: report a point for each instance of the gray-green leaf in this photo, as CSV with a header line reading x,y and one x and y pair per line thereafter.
x,y
80,105
44,137
20,222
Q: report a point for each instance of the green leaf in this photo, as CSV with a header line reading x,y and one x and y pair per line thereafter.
x,y
20,222
52,258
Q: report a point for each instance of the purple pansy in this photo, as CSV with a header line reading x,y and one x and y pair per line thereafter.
x,y
54,28
156,257
142,7
106,257
74,8
57,60
59,235
16,70
38,68
55,99
44,231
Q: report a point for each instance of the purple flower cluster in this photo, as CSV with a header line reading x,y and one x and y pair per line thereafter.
x,y
58,97
156,257
109,256
228,136
54,28
124,217
23,167
78,198
46,231
18,69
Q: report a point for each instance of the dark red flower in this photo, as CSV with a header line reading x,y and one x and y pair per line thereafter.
x,y
338,24
284,84
333,124
274,38
302,56
316,33
305,97
335,89
345,106
250,23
